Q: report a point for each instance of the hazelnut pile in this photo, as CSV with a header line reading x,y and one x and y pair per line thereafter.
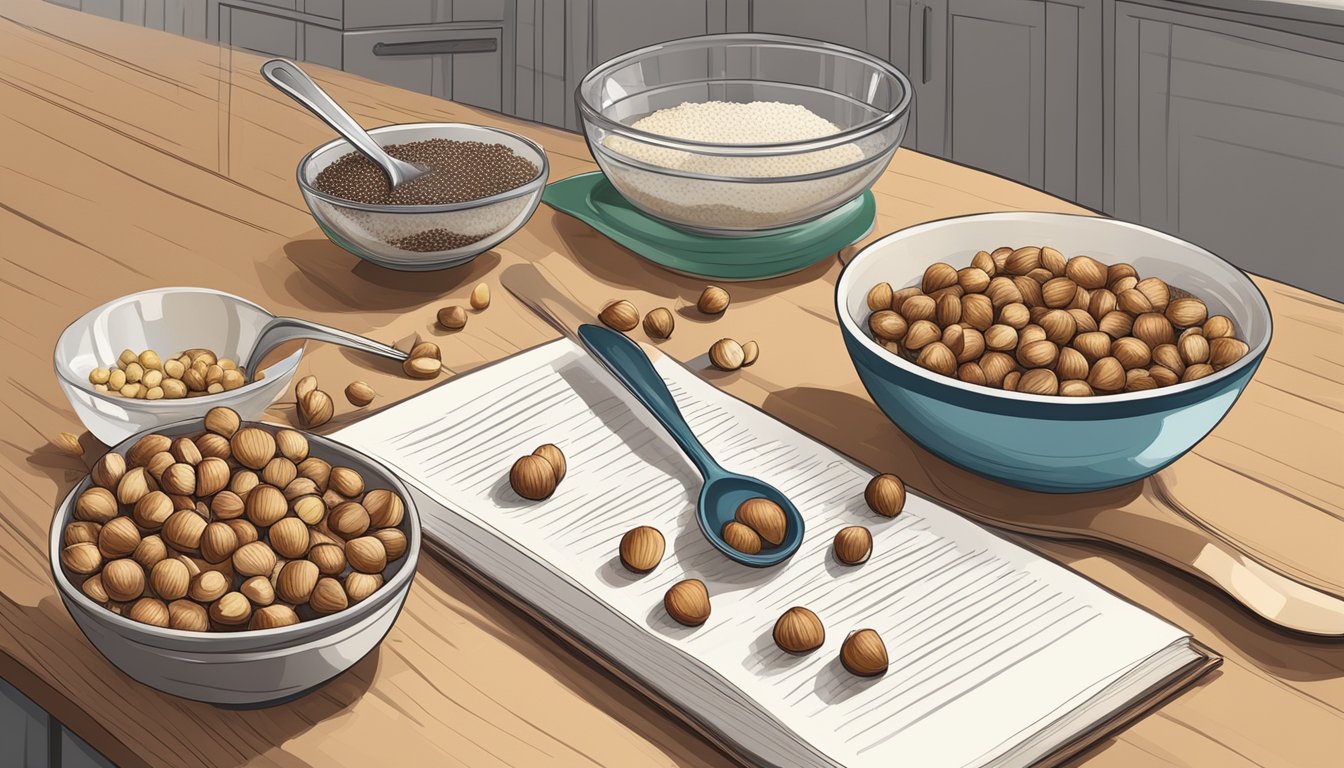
x,y
1030,320
234,528
756,522
145,376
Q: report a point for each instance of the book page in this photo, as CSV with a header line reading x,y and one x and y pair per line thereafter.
x,y
987,641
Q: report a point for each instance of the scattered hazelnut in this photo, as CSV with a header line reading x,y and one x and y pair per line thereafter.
x,y
799,630
659,323
641,549
620,315
885,495
864,654
713,300
687,602
853,545
359,393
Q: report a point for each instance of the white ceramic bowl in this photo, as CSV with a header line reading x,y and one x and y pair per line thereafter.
x,y
1046,443
166,320
252,667
370,231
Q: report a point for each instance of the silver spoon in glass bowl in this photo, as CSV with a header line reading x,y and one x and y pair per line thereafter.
x,y
294,82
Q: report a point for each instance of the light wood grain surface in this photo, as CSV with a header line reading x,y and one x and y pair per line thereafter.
x,y
132,159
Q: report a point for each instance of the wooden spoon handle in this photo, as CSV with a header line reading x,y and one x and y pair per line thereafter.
x,y
1166,536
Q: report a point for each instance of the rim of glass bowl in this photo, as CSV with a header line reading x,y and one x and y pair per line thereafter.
x,y
886,119
82,384
844,287
543,172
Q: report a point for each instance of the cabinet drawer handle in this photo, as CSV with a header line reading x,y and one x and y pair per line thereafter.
x,y
926,34
436,47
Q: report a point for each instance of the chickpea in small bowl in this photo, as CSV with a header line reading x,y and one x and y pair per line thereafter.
x,y
165,322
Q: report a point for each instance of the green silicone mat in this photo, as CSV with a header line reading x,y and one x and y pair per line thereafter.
x,y
592,199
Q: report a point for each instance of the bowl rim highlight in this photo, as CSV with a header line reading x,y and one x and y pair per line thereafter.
x,y
593,114
64,371
312,628
542,161
845,287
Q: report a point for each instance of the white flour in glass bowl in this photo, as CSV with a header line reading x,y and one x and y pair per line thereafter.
x,y
728,204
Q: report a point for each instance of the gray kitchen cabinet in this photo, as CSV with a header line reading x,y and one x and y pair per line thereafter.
x,y
459,49
274,28
401,13
76,753
1013,87
23,729
589,32
861,24
1232,136
463,63
263,32
31,738
258,31
185,17
108,9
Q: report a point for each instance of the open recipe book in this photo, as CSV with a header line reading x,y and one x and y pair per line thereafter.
x,y
998,656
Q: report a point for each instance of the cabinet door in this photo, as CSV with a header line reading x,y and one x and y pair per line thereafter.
x,y
980,87
259,32
399,13
861,24
186,17
618,26
593,31
108,9
1013,87
1232,136
451,62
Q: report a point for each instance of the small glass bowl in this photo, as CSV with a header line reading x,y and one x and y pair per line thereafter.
x,y
369,231
739,190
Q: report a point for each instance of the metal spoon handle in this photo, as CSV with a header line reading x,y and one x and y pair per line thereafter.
x,y
628,363
283,329
294,82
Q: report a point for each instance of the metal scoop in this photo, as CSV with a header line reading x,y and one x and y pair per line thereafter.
x,y
294,82
282,329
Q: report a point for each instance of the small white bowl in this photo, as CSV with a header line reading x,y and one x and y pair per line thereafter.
x,y
252,667
167,320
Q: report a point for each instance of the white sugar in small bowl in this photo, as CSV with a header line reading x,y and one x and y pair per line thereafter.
x,y
371,231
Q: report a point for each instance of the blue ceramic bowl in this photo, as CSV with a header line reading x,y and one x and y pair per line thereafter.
x,y
1041,443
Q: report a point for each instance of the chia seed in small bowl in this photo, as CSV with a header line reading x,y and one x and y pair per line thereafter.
x,y
483,185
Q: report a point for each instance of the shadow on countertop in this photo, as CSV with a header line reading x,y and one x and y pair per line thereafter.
x,y
319,275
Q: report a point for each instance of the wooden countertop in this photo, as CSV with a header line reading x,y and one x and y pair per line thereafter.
x,y
134,159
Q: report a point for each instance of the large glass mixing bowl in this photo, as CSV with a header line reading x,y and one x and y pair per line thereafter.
x,y
741,189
